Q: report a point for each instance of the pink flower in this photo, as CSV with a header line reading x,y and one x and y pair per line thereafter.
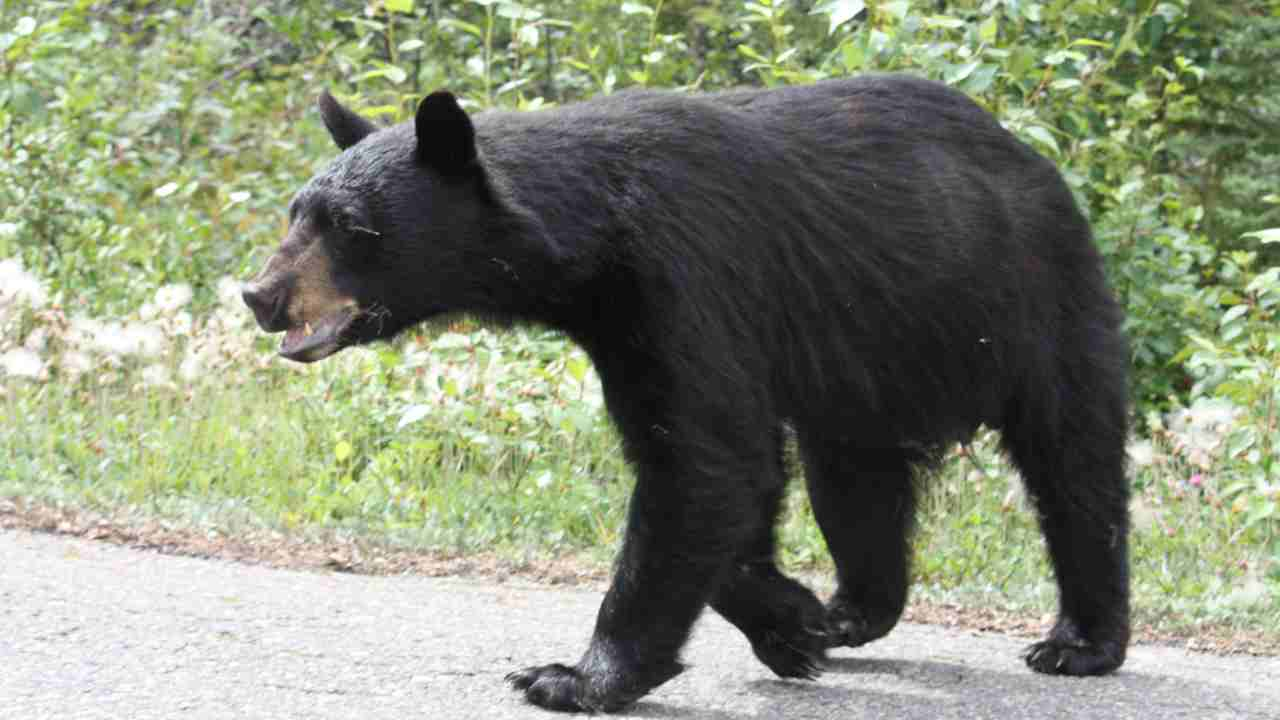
x,y
1196,480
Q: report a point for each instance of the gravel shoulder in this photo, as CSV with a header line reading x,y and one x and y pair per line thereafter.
x,y
96,630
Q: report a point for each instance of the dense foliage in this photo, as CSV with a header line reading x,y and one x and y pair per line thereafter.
x,y
150,146
146,143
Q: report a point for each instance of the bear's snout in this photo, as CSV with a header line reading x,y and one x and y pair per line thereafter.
x,y
267,304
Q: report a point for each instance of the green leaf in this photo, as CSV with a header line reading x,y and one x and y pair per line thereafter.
x,y
898,8
166,189
236,198
577,368
943,21
390,72
410,45
1261,511
412,414
510,85
1233,313
746,50
529,35
956,73
380,110
981,79
400,6
25,26
1269,277
1270,235
1042,135
988,29
635,8
852,55
1021,61
466,27
838,12
516,11
342,451
395,74
1202,342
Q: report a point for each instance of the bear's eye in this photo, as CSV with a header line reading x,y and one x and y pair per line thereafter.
x,y
343,221
335,217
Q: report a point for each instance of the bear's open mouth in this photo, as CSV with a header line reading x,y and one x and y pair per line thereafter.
x,y
310,342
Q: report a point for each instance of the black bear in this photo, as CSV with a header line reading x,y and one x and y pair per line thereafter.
x,y
874,263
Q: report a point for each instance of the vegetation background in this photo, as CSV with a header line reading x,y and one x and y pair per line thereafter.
x,y
148,150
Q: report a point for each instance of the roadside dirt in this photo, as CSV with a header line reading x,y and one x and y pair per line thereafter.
x,y
360,556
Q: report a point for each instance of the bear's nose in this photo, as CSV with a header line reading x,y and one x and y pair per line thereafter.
x,y
267,306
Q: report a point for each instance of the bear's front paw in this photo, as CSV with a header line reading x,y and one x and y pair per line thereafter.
x,y
554,687
590,686
800,655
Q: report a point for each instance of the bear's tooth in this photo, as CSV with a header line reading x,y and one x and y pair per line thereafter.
x,y
306,327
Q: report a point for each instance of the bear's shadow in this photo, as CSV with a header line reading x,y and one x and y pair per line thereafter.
x,y
932,689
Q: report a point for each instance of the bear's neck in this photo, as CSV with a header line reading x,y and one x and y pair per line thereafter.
x,y
566,231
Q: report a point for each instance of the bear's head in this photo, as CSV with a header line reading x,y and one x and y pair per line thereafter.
x,y
401,226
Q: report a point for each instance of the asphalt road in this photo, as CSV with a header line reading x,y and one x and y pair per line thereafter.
x,y
92,630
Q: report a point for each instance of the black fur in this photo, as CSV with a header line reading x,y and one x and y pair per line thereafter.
x,y
875,262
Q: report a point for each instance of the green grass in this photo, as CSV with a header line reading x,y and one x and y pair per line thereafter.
x,y
494,443
327,448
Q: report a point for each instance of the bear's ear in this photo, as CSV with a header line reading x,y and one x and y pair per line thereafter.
x,y
346,127
446,138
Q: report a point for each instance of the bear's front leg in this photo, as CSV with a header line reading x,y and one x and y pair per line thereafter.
x,y
681,535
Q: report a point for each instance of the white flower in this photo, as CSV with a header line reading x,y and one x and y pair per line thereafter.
x,y
37,340
1202,427
129,339
18,287
144,340
180,324
171,298
229,293
75,362
192,366
1142,453
21,362
155,375
83,332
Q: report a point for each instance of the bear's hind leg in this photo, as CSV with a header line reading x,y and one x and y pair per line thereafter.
x,y
1073,469
864,501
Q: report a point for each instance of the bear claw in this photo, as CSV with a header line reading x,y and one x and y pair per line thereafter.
x,y
1070,657
799,658
554,687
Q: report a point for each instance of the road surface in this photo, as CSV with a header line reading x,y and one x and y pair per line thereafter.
x,y
93,630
